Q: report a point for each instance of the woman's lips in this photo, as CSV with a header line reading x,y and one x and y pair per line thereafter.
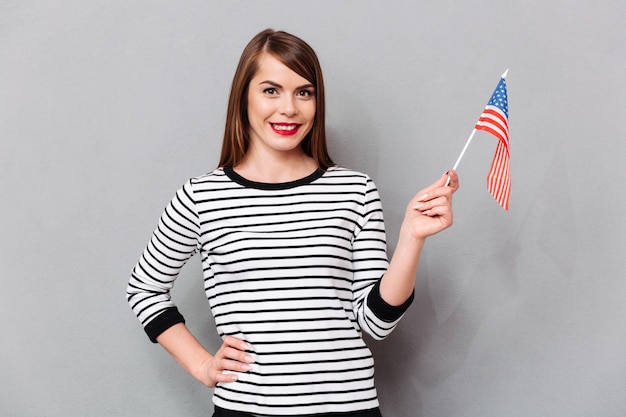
x,y
285,129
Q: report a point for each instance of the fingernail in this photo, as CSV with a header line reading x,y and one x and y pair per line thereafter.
x,y
418,206
422,197
246,367
249,359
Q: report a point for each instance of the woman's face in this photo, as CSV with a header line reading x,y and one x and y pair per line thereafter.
x,y
281,107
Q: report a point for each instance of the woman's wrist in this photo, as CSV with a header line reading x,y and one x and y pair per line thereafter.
x,y
409,237
200,371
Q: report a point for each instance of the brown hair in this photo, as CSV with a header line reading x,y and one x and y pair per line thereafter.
x,y
296,55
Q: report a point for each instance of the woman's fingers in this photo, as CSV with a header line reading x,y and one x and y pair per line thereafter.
x,y
435,197
234,343
437,189
454,180
436,206
231,365
236,349
236,360
220,376
231,357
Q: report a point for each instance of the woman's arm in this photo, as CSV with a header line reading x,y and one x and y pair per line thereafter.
x,y
428,213
172,244
195,359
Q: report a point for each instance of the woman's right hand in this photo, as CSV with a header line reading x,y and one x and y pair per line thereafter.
x,y
194,358
231,356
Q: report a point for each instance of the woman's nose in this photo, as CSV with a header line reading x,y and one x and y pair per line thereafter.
x,y
288,106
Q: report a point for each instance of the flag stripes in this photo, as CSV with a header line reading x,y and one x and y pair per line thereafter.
x,y
499,177
494,121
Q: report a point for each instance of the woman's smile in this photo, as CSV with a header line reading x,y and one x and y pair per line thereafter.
x,y
285,129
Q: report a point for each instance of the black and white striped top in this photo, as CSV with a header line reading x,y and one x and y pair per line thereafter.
x,y
291,268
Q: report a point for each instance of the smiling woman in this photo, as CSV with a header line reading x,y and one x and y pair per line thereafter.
x,y
293,250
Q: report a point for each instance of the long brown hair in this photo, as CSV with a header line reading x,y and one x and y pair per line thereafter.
x,y
296,55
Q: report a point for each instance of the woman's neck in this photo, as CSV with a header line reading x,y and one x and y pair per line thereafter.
x,y
276,170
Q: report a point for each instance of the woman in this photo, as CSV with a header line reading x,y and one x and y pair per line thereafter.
x,y
293,252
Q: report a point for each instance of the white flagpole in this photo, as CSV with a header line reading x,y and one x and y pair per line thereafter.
x,y
458,160
456,164
471,136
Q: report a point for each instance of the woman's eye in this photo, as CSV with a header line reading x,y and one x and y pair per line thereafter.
x,y
270,91
305,93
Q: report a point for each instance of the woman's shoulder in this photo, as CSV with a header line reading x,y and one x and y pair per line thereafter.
x,y
341,172
212,180
216,175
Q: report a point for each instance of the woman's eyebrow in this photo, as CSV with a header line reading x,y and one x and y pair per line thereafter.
x,y
276,85
272,83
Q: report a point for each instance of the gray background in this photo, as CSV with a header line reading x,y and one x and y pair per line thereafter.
x,y
107,107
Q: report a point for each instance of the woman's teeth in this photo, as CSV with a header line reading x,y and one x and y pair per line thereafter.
x,y
284,127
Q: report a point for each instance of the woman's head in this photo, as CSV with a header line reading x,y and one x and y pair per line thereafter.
x,y
298,56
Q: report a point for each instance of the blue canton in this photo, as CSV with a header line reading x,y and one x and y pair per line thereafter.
x,y
499,99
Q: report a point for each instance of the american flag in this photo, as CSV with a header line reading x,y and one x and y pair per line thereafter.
x,y
494,120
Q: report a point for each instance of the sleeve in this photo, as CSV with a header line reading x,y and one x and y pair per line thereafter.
x,y
374,315
173,242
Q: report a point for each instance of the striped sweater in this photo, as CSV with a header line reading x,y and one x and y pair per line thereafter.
x,y
291,268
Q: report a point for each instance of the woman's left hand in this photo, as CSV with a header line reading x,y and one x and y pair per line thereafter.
x,y
430,211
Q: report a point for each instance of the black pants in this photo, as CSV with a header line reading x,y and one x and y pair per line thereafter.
x,y
220,412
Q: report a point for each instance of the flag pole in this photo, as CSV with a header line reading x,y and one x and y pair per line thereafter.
x,y
456,164
471,136
458,160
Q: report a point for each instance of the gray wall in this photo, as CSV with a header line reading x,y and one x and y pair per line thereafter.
x,y
106,107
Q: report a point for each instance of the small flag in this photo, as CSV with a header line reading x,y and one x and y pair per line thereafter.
x,y
494,120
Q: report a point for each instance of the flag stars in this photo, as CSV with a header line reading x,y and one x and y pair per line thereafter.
x,y
499,98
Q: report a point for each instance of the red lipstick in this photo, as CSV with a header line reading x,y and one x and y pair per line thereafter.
x,y
285,129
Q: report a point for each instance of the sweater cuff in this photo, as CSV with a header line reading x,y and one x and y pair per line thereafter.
x,y
382,309
169,317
